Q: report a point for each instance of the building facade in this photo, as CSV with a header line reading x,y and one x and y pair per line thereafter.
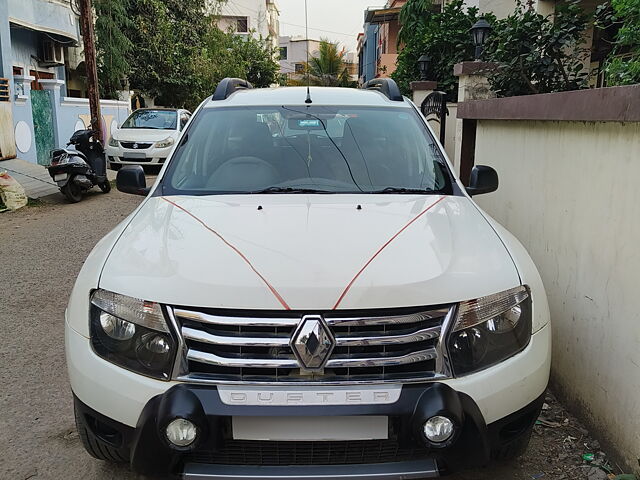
x,y
378,44
250,17
293,55
43,69
367,53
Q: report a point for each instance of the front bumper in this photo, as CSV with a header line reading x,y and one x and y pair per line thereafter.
x,y
148,156
215,454
495,407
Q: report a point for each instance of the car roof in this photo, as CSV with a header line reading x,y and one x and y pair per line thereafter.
x,y
297,96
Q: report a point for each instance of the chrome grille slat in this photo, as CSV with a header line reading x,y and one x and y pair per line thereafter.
x,y
340,362
241,362
212,339
382,360
417,336
236,321
391,320
256,347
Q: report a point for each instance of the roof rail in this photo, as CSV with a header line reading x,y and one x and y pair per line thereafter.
x,y
228,86
387,86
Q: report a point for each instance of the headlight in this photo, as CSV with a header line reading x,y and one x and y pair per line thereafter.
x,y
113,142
167,142
490,329
132,333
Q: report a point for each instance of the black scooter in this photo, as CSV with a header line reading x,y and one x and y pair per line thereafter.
x,y
76,171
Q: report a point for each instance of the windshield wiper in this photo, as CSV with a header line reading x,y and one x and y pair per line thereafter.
x,y
421,191
289,190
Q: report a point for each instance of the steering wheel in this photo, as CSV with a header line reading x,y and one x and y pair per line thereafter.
x,y
243,173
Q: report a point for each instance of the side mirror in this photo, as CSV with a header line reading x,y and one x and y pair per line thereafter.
x,y
483,179
131,179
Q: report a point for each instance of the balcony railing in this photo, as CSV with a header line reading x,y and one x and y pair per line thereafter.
x,y
4,89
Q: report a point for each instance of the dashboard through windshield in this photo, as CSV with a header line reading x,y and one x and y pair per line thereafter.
x,y
314,149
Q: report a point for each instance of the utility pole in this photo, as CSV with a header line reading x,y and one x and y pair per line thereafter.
x,y
89,40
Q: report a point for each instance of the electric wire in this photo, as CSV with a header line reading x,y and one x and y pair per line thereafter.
x,y
332,141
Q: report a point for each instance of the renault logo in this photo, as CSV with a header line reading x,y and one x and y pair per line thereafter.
x,y
312,342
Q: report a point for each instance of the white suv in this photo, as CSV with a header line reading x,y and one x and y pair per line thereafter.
x,y
307,291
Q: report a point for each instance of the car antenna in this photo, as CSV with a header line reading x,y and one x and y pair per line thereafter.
x,y
306,24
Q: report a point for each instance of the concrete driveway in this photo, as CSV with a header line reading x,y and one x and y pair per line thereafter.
x,y
42,249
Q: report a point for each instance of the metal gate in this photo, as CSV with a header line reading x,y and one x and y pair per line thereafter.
x,y
435,105
41,105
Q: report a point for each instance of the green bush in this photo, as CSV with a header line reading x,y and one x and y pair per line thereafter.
x,y
533,53
537,54
623,65
444,36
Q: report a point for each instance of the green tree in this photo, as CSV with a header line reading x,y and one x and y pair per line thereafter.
x,y
328,68
228,55
172,51
443,36
112,44
168,39
623,65
537,54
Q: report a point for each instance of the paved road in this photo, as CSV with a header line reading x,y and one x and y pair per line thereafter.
x,y
41,250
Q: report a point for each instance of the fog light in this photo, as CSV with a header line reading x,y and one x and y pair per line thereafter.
x,y
438,429
181,432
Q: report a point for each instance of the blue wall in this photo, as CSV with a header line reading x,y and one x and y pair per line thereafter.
x,y
369,53
18,44
22,112
51,16
24,43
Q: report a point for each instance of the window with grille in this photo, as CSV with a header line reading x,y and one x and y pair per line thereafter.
x,y
242,25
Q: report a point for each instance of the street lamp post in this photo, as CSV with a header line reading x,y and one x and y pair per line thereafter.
x,y
424,62
479,33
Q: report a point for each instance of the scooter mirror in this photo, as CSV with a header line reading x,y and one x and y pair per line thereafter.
x,y
131,179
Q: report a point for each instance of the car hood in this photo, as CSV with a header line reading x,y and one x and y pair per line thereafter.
x,y
305,252
142,134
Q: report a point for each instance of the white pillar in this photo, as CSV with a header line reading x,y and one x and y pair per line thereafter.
x,y
421,90
473,84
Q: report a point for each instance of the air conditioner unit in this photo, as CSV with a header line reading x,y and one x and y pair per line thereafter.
x,y
52,54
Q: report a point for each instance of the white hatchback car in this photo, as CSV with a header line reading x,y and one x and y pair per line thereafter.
x,y
307,291
146,137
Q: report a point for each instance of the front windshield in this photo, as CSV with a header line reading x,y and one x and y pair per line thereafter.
x,y
307,149
154,119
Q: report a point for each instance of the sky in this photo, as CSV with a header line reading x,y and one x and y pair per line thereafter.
x,y
337,20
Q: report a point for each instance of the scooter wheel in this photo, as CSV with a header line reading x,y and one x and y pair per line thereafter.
x,y
72,191
105,187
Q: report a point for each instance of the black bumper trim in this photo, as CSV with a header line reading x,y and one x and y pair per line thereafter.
x,y
472,446
384,471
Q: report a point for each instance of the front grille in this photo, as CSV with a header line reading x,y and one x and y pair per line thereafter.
x,y
267,453
138,146
136,160
232,346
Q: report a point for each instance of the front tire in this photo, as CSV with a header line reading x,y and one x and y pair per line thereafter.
x,y
515,448
72,191
97,447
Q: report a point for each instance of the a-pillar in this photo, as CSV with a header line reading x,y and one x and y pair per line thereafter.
x,y
473,84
